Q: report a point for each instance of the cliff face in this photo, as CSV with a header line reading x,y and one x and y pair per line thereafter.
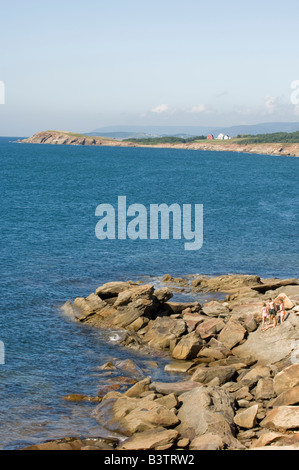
x,y
65,138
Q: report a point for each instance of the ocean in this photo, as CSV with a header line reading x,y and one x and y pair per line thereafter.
x,y
50,254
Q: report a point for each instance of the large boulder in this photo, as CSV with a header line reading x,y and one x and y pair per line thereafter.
x,y
290,397
207,374
210,327
177,388
126,315
208,410
128,415
188,347
112,289
215,309
232,334
273,345
247,418
85,307
162,331
286,379
282,418
157,439
227,283
253,376
133,294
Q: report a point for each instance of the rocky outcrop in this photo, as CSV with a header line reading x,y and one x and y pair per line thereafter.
x,y
69,138
239,385
188,331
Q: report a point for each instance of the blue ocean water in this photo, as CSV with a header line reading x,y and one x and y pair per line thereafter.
x,y
49,254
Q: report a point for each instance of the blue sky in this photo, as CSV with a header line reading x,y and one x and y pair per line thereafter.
x,y
80,65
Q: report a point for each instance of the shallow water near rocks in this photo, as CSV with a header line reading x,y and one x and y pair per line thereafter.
x,y
49,254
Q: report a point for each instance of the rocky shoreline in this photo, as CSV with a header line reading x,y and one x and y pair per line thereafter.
x,y
68,138
239,388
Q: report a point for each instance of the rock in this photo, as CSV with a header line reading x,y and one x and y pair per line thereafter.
x,y
210,327
112,289
232,334
254,375
250,323
76,444
228,283
179,366
108,366
163,295
265,389
290,397
138,324
127,365
133,294
286,379
77,398
247,419
177,387
212,353
204,376
178,307
267,438
168,279
192,320
83,308
182,443
138,388
188,347
288,304
126,315
157,439
273,345
207,442
243,394
162,331
215,308
282,418
208,410
215,344
130,415
268,285
169,401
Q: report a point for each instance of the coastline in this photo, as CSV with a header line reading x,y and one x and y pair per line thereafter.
x,y
239,387
68,138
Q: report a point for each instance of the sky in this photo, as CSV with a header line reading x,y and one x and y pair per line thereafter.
x,y
82,65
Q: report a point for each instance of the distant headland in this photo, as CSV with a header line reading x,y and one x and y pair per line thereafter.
x,y
282,143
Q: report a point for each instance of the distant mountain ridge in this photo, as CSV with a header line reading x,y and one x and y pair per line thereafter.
x,y
138,132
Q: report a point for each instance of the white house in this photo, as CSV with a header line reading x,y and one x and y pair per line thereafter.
x,y
223,137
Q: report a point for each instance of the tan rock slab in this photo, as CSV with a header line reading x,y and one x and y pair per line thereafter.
x,y
247,419
282,418
157,439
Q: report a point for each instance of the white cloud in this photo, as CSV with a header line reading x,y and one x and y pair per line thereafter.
x,y
197,109
270,104
161,108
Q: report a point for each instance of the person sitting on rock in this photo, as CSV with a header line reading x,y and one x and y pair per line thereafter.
x,y
281,312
